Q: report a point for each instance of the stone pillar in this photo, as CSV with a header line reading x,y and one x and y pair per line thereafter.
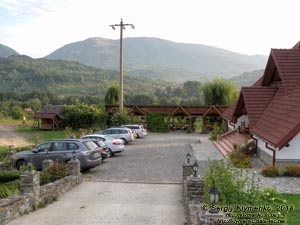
x,y
30,183
47,163
195,189
74,167
10,156
187,170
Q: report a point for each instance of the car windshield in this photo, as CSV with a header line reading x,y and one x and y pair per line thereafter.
x,y
101,143
90,145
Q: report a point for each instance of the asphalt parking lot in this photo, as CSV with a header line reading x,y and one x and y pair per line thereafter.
x,y
142,185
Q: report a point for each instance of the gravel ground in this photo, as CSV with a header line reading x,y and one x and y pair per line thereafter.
x,y
157,158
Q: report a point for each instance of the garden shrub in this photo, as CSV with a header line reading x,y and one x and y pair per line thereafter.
x,y
235,185
240,188
157,122
53,173
271,171
9,189
292,170
239,159
6,176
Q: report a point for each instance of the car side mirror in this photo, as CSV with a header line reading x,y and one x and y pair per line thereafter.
x,y
35,150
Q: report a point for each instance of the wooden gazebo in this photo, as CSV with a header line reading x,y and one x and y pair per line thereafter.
x,y
49,118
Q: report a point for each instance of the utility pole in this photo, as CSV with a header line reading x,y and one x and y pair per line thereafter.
x,y
122,26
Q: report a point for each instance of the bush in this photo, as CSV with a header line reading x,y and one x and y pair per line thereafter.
x,y
9,189
157,122
53,173
292,170
239,159
235,185
217,130
7,176
271,171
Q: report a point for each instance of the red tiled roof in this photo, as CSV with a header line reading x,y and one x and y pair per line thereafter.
x,y
280,122
256,99
258,82
228,113
287,62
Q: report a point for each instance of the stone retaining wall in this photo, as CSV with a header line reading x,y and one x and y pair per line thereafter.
x,y
32,194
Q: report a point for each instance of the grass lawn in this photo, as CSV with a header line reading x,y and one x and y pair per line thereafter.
x,y
38,136
293,217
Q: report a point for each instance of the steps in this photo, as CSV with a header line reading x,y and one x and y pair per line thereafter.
x,y
226,141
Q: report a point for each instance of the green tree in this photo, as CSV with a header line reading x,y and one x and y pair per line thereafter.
x,y
112,95
35,104
219,92
16,112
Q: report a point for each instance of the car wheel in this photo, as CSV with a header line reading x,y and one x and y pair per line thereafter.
x,y
124,141
110,153
20,164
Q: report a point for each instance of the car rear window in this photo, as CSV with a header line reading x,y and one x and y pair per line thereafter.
x,y
90,145
72,146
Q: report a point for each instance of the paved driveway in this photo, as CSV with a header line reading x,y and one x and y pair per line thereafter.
x,y
139,186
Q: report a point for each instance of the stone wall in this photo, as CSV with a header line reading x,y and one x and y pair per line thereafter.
x,y
32,194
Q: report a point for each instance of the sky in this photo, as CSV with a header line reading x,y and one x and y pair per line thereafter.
x,y
38,27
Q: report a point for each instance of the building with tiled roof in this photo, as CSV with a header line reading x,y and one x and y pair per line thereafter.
x,y
271,108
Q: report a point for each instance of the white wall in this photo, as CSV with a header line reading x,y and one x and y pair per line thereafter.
x,y
291,152
243,118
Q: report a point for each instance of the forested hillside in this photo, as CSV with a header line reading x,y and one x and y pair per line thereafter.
x,y
158,58
247,79
24,74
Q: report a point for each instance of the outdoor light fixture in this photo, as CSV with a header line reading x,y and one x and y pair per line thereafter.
x,y
74,154
195,169
188,158
214,198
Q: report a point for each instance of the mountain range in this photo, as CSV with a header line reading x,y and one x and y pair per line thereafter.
x,y
158,58
6,51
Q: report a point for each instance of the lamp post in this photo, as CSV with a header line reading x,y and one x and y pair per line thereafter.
x,y
195,171
188,158
122,26
214,198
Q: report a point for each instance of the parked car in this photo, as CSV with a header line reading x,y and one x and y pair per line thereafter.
x,y
61,150
123,133
114,145
103,148
139,130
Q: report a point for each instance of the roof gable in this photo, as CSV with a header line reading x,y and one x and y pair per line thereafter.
x,y
283,66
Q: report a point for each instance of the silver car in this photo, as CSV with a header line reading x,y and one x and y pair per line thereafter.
x,y
123,133
114,145
61,150
139,130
